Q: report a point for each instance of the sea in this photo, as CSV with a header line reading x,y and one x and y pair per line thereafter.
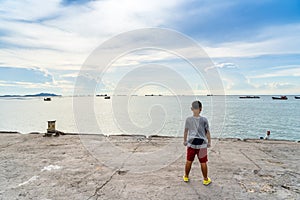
x,y
228,116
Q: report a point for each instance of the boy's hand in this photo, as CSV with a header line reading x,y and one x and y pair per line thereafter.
x,y
208,145
184,143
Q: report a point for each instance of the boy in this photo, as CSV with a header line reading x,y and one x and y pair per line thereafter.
x,y
197,139
267,135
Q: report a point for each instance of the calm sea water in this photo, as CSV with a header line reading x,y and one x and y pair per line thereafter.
x,y
163,115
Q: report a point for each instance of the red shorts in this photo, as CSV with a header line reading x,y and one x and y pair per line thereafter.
x,y
201,154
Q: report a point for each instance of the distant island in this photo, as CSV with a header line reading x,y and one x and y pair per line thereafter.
x,y
33,95
147,95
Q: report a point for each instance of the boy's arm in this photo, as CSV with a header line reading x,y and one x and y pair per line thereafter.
x,y
185,136
208,138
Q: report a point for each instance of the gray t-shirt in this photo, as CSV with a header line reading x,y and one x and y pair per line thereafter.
x,y
197,128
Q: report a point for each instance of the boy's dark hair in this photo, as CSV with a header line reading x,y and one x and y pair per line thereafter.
x,y
196,105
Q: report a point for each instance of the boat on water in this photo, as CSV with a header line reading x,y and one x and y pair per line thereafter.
x,y
249,97
297,97
152,95
101,95
209,95
47,99
107,97
280,98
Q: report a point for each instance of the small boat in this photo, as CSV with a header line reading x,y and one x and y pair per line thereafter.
x,y
297,97
107,97
47,99
249,97
209,95
280,98
101,95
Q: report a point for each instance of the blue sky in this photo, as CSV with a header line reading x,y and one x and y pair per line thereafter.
x,y
254,44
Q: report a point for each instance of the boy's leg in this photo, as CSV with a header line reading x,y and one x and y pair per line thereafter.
x,y
188,166
202,156
204,170
189,160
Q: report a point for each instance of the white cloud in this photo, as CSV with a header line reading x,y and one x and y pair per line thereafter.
x,y
276,85
227,65
281,71
29,9
70,75
283,39
224,65
72,32
25,84
107,18
66,87
236,82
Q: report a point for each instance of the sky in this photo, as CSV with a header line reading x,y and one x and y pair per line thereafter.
x,y
255,45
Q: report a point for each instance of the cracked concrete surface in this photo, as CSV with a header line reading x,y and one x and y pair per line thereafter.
x,y
251,169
